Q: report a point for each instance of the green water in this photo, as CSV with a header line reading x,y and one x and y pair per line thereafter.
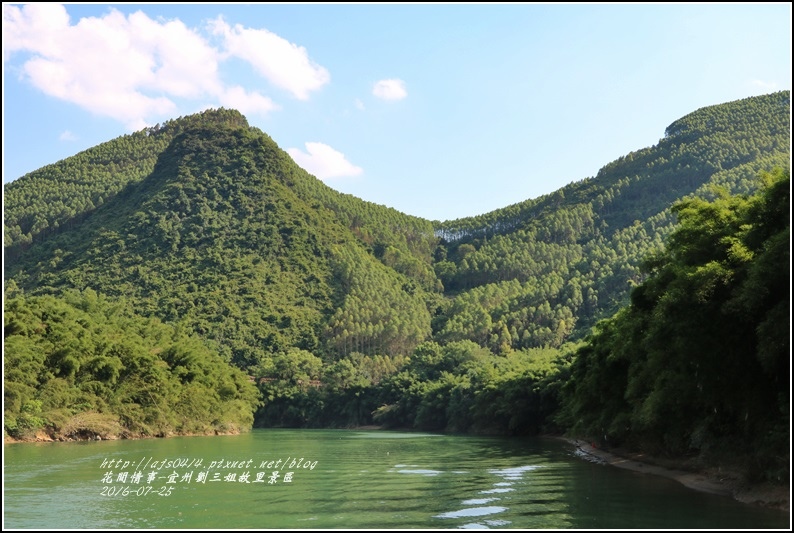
x,y
347,479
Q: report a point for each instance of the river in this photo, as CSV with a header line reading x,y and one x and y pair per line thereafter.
x,y
313,479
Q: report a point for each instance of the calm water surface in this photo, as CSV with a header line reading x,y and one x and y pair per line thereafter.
x,y
347,479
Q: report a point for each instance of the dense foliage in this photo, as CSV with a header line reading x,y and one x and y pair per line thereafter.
x,y
700,360
83,366
577,251
457,387
64,193
217,237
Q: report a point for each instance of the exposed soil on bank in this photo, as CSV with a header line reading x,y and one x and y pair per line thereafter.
x,y
714,481
43,436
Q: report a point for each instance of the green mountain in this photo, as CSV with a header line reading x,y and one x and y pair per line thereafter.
x,y
544,271
223,237
346,311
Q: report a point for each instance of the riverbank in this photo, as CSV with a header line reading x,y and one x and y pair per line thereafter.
x,y
44,436
714,481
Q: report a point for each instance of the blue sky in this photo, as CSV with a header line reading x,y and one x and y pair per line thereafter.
x,y
440,111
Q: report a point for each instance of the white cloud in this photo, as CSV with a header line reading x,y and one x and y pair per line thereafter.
x,y
392,89
67,136
323,161
39,27
133,68
282,63
127,68
247,103
359,104
186,65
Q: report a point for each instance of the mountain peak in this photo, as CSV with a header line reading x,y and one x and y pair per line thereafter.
x,y
209,117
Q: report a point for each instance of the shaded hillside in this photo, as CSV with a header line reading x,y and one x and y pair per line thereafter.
x,y
62,194
700,361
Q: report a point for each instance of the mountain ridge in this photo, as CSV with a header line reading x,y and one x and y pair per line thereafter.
x,y
216,197
206,225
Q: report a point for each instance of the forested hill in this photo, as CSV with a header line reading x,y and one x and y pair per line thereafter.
x,y
223,236
534,273
205,224
63,194
633,187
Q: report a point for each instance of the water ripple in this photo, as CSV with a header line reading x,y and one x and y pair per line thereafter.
x,y
513,473
478,501
421,471
472,511
496,491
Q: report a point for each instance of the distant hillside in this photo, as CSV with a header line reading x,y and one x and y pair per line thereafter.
x,y
539,272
